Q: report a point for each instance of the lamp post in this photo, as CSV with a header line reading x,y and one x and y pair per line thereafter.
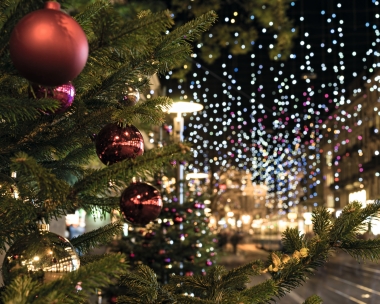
x,y
180,108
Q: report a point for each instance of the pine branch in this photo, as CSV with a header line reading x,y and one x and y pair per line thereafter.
x,y
351,221
86,17
321,221
102,204
139,286
292,240
19,291
91,258
261,293
174,48
94,238
238,277
16,218
363,249
93,275
147,24
313,300
36,182
97,182
16,110
150,111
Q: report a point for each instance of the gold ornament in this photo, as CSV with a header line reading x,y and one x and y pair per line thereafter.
x,y
297,255
304,252
45,256
276,260
285,258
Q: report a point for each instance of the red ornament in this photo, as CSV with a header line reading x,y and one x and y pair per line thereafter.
x,y
48,46
140,203
114,143
178,219
64,93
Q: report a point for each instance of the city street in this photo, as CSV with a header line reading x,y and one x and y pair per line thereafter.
x,y
342,280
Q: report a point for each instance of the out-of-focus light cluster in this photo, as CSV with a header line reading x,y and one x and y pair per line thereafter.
x,y
268,116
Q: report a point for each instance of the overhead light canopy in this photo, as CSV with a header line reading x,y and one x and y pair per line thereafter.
x,y
185,107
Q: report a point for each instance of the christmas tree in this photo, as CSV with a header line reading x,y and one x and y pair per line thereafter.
x,y
68,92
179,242
60,86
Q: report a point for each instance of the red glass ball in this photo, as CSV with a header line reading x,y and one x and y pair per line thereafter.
x,y
140,203
48,46
64,93
178,220
115,143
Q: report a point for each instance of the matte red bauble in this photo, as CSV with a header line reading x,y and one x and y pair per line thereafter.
x,y
115,143
140,203
48,46
64,93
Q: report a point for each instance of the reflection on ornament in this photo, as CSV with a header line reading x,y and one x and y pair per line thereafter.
x,y
64,94
115,143
140,203
44,256
131,97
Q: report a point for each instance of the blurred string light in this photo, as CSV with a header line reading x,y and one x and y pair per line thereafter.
x,y
267,116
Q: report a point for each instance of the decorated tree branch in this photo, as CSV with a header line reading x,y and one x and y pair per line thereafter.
x,y
288,269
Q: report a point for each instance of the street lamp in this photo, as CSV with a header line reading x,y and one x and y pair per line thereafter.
x,y
180,108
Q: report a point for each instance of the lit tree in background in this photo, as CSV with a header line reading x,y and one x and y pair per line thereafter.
x,y
179,242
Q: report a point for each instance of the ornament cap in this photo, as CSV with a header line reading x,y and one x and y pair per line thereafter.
x,y
42,227
52,5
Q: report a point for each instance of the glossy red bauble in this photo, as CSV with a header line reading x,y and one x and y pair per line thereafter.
x,y
115,143
48,46
140,203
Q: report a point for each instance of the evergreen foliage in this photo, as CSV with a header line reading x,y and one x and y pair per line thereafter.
x,y
288,269
43,172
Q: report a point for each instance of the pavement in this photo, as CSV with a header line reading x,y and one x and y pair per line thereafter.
x,y
245,253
